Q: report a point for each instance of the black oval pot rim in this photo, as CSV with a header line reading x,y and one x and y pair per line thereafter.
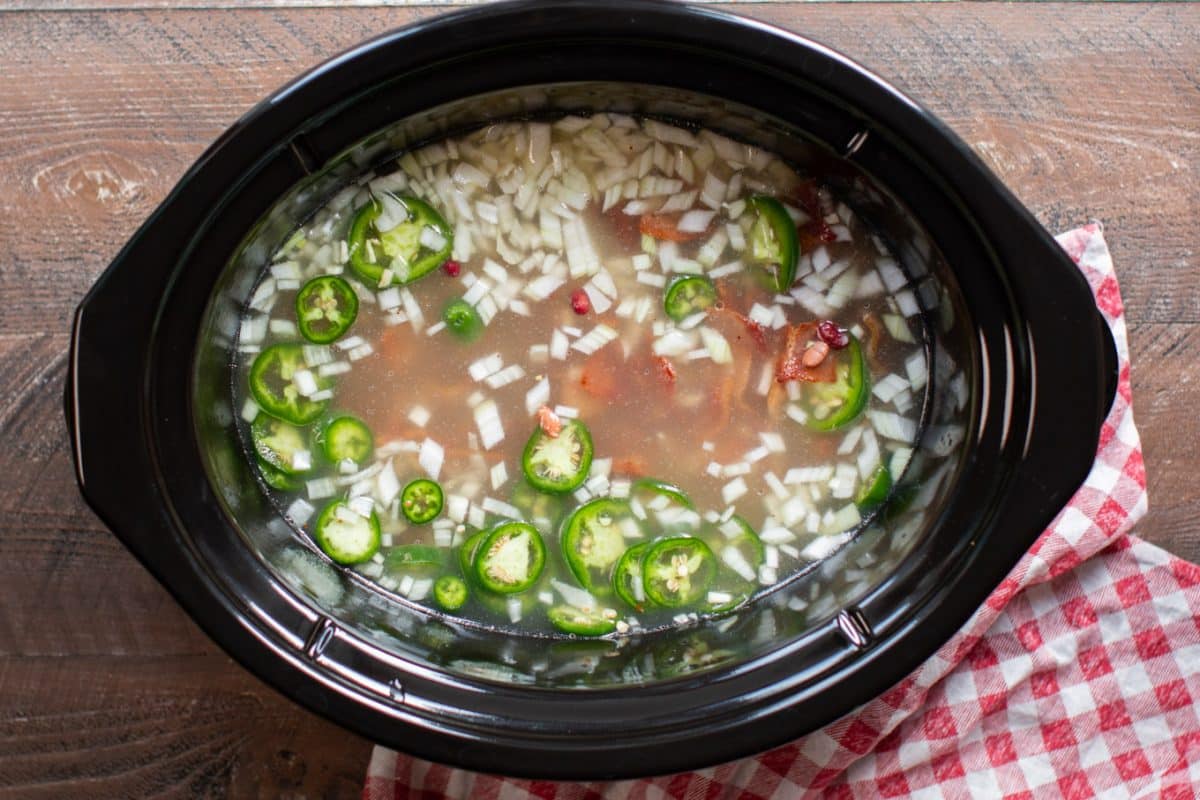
x,y
248,644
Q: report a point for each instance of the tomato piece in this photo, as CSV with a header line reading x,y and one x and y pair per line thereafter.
x,y
599,376
666,227
666,370
549,422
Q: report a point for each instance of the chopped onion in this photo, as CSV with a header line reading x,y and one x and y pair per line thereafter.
x,y
362,505
483,367
494,271
696,221
845,479
776,486
893,426
387,485
510,374
893,277
713,194
431,457
559,344
812,301
305,382
487,420
333,368
716,345
898,328
868,455
679,202
918,370
575,596
282,327
457,507
320,488
820,258
567,412
808,474
888,387
774,534
432,238
871,285
842,290
389,299
264,296
476,292
599,302
850,440
726,270
360,352
906,301
674,343
500,508
419,416
499,475
543,287
420,589
538,396
733,490
411,309
300,511
737,562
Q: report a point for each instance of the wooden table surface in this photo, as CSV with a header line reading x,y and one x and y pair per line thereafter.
x,y
106,688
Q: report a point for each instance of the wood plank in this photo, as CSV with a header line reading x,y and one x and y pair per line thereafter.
x,y
174,726
106,688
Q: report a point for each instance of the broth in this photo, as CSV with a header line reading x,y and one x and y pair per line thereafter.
x,y
692,348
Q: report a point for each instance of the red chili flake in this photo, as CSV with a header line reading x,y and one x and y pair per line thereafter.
x,y
452,268
832,334
827,233
580,303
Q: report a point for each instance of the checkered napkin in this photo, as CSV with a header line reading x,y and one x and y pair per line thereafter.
x,y
1074,680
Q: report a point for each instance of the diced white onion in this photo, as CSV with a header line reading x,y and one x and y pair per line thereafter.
x,y
305,382
893,426
483,367
695,221
487,420
718,348
300,511
387,485
733,490
320,488
918,370
499,475
500,508
510,374
431,457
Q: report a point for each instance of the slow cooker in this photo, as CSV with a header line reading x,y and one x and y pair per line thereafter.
x,y
1022,374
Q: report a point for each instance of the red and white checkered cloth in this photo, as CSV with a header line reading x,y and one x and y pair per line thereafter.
x,y
1075,679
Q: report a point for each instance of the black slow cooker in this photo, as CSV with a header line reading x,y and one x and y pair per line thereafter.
x,y
1022,373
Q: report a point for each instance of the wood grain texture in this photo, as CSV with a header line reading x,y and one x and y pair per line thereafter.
x,y
106,688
